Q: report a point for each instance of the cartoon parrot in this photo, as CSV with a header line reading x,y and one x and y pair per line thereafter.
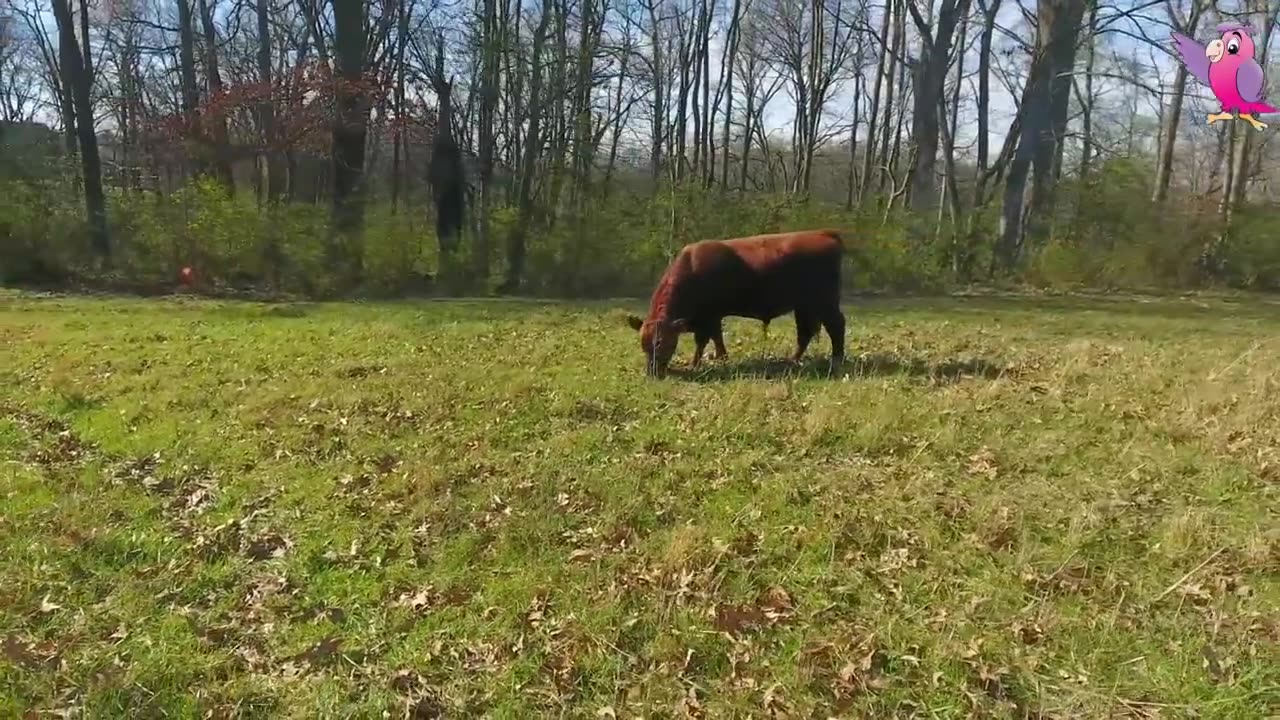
x,y
1227,66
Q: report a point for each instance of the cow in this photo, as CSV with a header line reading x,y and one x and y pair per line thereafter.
x,y
760,277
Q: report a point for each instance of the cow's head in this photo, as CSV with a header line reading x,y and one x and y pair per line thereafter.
x,y
658,339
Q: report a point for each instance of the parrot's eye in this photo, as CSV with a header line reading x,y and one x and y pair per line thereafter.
x,y
1233,47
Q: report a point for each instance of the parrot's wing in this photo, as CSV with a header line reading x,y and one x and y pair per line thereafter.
x,y
1193,57
1250,81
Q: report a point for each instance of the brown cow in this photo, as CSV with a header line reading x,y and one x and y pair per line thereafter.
x,y
761,277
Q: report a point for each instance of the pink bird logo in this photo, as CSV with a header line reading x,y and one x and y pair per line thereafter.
x,y
1227,66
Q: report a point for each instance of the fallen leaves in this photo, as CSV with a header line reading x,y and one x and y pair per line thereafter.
x,y
737,619
773,701
690,707
983,463
421,600
773,605
428,707
847,668
267,546
1028,633
322,653
777,604
30,654
1220,669
1001,533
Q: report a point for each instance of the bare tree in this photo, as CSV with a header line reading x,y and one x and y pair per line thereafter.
x,y
927,86
727,63
990,8
883,68
1044,109
811,44
76,77
445,172
213,79
272,163
359,49
489,69
516,249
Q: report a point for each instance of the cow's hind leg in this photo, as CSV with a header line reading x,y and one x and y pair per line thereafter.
x,y
718,338
833,322
700,338
806,328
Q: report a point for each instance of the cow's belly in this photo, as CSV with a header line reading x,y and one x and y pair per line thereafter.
x,y
758,298
756,308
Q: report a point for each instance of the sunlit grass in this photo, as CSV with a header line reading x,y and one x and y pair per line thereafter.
x,y
1056,506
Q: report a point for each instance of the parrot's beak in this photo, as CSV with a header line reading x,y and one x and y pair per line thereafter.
x,y
1214,50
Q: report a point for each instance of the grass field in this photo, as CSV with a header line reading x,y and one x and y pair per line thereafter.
x,y
1001,507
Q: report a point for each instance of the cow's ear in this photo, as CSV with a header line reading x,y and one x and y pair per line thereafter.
x,y
679,325
635,322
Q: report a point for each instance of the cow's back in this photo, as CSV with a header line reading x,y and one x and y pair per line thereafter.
x,y
762,276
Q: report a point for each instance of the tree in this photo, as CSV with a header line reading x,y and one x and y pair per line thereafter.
x,y
76,77
272,162
489,78
1043,112
446,173
532,144
927,85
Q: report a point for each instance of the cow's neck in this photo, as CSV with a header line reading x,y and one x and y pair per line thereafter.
x,y
662,305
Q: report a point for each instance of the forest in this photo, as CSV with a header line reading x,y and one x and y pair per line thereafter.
x,y
570,147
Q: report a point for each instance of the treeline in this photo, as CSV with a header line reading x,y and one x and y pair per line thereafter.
x,y
570,146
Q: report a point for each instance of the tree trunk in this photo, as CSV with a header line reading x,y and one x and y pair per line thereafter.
x,y
445,169
66,97
188,90
659,120
930,79
708,111
853,143
349,134
990,8
273,162
488,105
883,64
86,52
532,146
1064,25
747,126
682,104
398,161
891,72
615,132
583,135
1087,102
222,144
1044,105
76,78
560,103
728,66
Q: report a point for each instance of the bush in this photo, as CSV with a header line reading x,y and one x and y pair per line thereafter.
x,y
1106,233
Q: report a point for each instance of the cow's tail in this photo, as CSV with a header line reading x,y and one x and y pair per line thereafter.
x,y
765,323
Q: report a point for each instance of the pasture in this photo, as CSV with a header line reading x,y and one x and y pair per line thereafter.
x,y
999,507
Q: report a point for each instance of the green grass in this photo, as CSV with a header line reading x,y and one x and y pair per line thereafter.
x,y
1052,507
